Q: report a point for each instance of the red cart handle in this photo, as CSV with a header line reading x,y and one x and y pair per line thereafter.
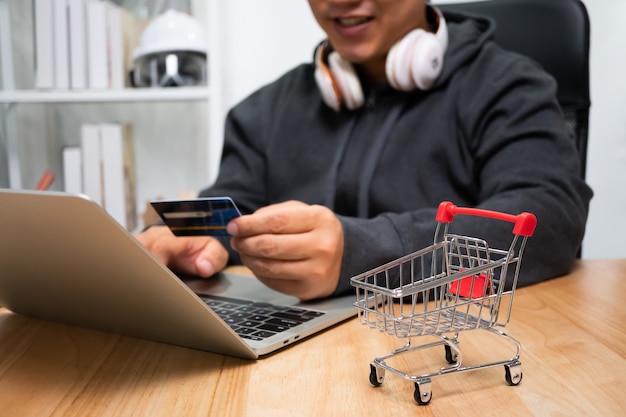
x,y
524,222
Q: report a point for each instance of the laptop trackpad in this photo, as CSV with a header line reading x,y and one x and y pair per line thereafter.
x,y
227,284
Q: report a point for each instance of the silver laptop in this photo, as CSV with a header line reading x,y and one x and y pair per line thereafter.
x,y
63,258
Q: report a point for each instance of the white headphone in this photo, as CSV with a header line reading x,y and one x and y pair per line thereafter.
x,y
415,61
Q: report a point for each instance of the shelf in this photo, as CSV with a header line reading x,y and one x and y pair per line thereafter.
x,y
205,128
99,96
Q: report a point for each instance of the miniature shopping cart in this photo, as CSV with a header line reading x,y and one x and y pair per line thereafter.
x,y
459,283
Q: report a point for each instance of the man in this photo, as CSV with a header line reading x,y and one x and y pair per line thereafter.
x,y
342,162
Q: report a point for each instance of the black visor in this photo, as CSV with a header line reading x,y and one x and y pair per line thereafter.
x,y
170,69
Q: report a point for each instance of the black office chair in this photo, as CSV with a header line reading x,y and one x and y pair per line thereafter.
x,y
555,33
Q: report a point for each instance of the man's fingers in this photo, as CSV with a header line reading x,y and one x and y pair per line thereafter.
x,y
201,256
283,218
212,259
195,255
272,246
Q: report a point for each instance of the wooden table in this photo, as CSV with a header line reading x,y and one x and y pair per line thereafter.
x,y
573,361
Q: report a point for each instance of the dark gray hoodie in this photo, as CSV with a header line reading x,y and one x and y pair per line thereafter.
x,y
488,134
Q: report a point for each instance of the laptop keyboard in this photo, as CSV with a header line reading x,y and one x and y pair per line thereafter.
x,y
258,321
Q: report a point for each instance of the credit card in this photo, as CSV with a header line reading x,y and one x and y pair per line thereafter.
x,y
197,217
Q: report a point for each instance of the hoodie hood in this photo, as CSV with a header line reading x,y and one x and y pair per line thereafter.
x,y
467,34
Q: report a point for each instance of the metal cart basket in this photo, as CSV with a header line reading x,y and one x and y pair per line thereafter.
x,y
459,283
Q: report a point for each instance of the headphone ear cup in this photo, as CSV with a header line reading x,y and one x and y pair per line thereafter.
x,y
329,89
347,80
427,61
398,63
416,60
330,92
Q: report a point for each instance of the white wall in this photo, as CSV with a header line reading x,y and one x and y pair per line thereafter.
x,y
263,42
607,134
271,37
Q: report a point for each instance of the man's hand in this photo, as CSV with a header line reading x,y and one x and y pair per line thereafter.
x,y
196,255
292,247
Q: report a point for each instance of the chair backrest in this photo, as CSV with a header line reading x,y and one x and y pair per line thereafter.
x,y
554,33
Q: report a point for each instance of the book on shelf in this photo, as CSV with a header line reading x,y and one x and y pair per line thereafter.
x,y
44,44
91,161
108,173
83,44
118,167
97,44
61,45
72,170
131,28
77,44
115,42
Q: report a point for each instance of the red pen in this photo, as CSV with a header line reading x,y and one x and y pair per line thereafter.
x,y
44,182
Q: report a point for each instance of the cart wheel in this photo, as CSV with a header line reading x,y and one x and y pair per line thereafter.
x,y
450,356
376,375
423,393
513,373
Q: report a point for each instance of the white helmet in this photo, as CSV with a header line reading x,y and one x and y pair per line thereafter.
x,y
172,51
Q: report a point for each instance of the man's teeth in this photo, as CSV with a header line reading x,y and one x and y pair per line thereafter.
x,y
353,21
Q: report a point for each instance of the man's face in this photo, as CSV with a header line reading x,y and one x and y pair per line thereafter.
x,y
363,31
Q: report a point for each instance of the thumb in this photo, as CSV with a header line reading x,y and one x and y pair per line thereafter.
x,y
212,259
